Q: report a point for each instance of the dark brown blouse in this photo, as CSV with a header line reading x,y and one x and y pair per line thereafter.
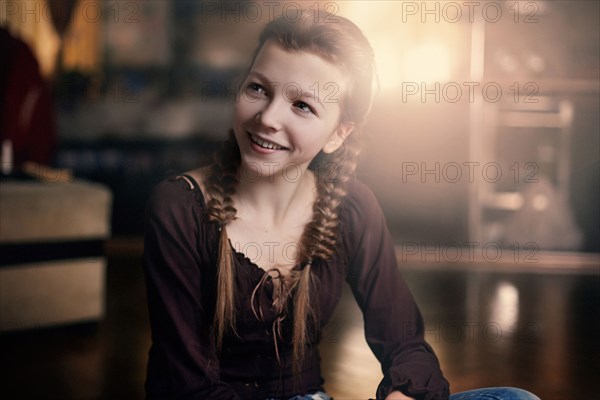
x,y
180,255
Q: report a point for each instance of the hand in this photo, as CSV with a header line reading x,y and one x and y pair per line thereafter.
x,y
396,395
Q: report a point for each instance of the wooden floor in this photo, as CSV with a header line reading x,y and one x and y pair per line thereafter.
x,y
490,326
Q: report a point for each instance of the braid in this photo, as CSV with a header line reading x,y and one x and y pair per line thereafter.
x,y
319,239
332,175
220,184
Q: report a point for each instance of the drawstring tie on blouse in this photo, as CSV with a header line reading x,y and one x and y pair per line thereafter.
x,y
281,298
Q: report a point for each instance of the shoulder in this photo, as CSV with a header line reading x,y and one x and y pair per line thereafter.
x,y
360,201
175,196
360,215
364,237
197,178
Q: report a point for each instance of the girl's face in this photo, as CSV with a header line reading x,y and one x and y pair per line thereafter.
x,y
288,111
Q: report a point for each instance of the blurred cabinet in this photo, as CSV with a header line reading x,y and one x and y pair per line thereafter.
x,y
523,196
528,141
52,264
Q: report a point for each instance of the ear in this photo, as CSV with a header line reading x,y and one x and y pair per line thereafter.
x,y
338,136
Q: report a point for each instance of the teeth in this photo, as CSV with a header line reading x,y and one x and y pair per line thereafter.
x,y
263,144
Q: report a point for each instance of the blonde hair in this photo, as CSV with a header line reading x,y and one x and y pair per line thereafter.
x,y
340,42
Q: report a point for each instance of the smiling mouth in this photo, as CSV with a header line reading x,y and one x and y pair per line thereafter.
x,y
264,144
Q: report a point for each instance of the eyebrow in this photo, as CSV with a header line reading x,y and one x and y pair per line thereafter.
x,y
312,96
260,75
302,94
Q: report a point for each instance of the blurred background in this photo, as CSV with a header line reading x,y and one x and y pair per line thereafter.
x,y
482,148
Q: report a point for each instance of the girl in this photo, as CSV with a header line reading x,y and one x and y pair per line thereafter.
x,y
225,326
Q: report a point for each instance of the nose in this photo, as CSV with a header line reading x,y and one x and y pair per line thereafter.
x,y
271,116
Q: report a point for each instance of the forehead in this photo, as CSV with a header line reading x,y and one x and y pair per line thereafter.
x,y
302,68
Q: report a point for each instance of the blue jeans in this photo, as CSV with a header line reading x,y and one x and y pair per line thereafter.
x,y
314,396
499,393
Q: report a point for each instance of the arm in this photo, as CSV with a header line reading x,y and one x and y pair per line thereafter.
x,y
394,326
182,363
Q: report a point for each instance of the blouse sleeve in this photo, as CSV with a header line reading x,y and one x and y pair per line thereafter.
x,y
394,327
182,361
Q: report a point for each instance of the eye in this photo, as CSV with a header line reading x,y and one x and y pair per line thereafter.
x,y
256,90
303,107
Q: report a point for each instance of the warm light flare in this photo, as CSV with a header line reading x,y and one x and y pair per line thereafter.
x,y
410,51
428,62
505,306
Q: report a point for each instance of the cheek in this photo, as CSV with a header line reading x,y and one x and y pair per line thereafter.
x,y
244,107
238,111
239,119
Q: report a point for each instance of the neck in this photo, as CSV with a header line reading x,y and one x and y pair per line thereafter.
x,y
273,197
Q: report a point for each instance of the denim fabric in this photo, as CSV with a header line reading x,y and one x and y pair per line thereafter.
x,y
313,396
499,393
